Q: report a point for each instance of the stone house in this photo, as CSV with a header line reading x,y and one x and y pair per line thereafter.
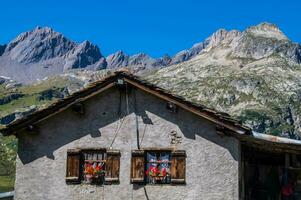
x,y
124,138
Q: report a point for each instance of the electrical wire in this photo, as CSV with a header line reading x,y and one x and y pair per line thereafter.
x,y
136,120
143,134
119,122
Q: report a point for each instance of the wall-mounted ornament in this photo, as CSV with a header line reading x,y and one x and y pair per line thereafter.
x,y
171,107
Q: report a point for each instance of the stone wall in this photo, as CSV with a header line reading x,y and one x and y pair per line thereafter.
x,y
211,165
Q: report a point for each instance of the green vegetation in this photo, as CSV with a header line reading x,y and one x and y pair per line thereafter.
x,y
37,95
33,95
8,149
7,183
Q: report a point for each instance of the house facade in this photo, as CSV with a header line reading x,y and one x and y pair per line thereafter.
x,y
123,138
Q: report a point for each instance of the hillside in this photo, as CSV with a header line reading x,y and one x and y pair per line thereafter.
x,y
253,75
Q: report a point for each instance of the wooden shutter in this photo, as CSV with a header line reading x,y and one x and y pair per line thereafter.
x,y
137,166
112,166
73,165
178,167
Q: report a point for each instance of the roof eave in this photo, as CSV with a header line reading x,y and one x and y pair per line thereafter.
x,y
101,85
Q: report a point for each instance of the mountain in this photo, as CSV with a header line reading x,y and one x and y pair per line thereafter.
x,y
38,45
42,52
83,55
118,59
261,41
137,62
254,75
140,62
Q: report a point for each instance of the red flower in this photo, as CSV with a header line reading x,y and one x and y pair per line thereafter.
x,y
164,172
98,168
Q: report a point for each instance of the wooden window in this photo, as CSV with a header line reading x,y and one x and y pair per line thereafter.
x,y
112,166
137,166
73,166
158,167
93,166
178,167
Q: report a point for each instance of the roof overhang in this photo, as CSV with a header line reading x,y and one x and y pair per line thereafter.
x,y
219,118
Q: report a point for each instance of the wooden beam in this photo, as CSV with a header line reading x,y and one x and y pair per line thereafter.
x,y
188,108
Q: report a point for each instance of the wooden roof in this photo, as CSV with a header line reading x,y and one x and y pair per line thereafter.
x,y
219,118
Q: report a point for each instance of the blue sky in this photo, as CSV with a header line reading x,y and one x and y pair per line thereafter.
x,y
155,27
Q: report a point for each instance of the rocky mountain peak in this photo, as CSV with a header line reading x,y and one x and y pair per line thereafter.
x,y
83,55
267,30
222,36
256,42
165,60
187,54
38,45
118,59
141,59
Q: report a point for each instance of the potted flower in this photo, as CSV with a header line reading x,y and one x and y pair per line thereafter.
x,y
94,172
89,171
155,174
98,171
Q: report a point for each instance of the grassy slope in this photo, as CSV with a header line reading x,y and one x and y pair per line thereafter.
x,y
7,183
31,94
8,148
31,97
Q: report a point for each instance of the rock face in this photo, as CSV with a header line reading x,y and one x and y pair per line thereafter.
x,y
264,40
118,59
38,45
254,75
222,37
137,62
143,61
83,55
189,53
43,52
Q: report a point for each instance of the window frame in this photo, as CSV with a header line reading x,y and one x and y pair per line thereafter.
x,y
110,173
178,160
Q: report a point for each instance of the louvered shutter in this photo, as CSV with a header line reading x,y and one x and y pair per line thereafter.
x,y
137,166
73,166
112,166
178,167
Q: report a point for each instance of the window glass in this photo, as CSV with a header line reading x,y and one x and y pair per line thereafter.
x,y
158,167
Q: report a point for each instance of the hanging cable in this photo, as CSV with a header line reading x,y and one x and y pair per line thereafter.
x,y
119,122
143,134
136,120
127,99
